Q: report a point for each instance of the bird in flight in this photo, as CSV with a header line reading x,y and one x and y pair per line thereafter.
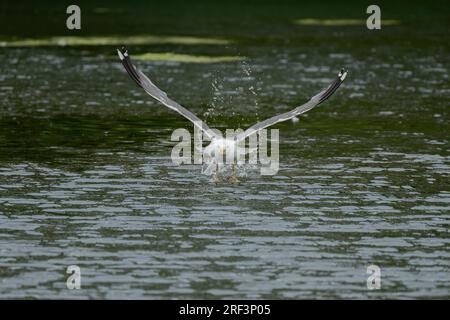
x,y
219,144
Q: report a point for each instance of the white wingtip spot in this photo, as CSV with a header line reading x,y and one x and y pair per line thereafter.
x,y
343,76
120,54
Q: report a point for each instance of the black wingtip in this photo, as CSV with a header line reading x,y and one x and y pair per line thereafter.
x,y
128,65
343,74
122,52
334,86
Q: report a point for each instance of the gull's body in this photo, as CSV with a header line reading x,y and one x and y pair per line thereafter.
x,y
219,145
214,153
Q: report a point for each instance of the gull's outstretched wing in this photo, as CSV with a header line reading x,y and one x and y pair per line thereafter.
x,y
145,83
313,102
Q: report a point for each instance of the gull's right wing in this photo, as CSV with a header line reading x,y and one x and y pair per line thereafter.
x,y
313,102
145,83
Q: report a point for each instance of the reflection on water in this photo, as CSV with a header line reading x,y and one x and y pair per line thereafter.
x,y
341,22
169,56
86,177
112,40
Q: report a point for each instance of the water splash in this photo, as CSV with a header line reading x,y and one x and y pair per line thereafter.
x,y
246,68
228,92
218,100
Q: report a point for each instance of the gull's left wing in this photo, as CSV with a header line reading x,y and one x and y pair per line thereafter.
x,y
145,83
313,102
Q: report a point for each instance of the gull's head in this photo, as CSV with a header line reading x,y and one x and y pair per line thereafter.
x,y
219,146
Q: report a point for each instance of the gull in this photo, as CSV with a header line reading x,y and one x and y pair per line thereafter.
x,y
218,145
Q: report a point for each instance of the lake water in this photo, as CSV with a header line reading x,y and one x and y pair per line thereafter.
x,y
86,176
